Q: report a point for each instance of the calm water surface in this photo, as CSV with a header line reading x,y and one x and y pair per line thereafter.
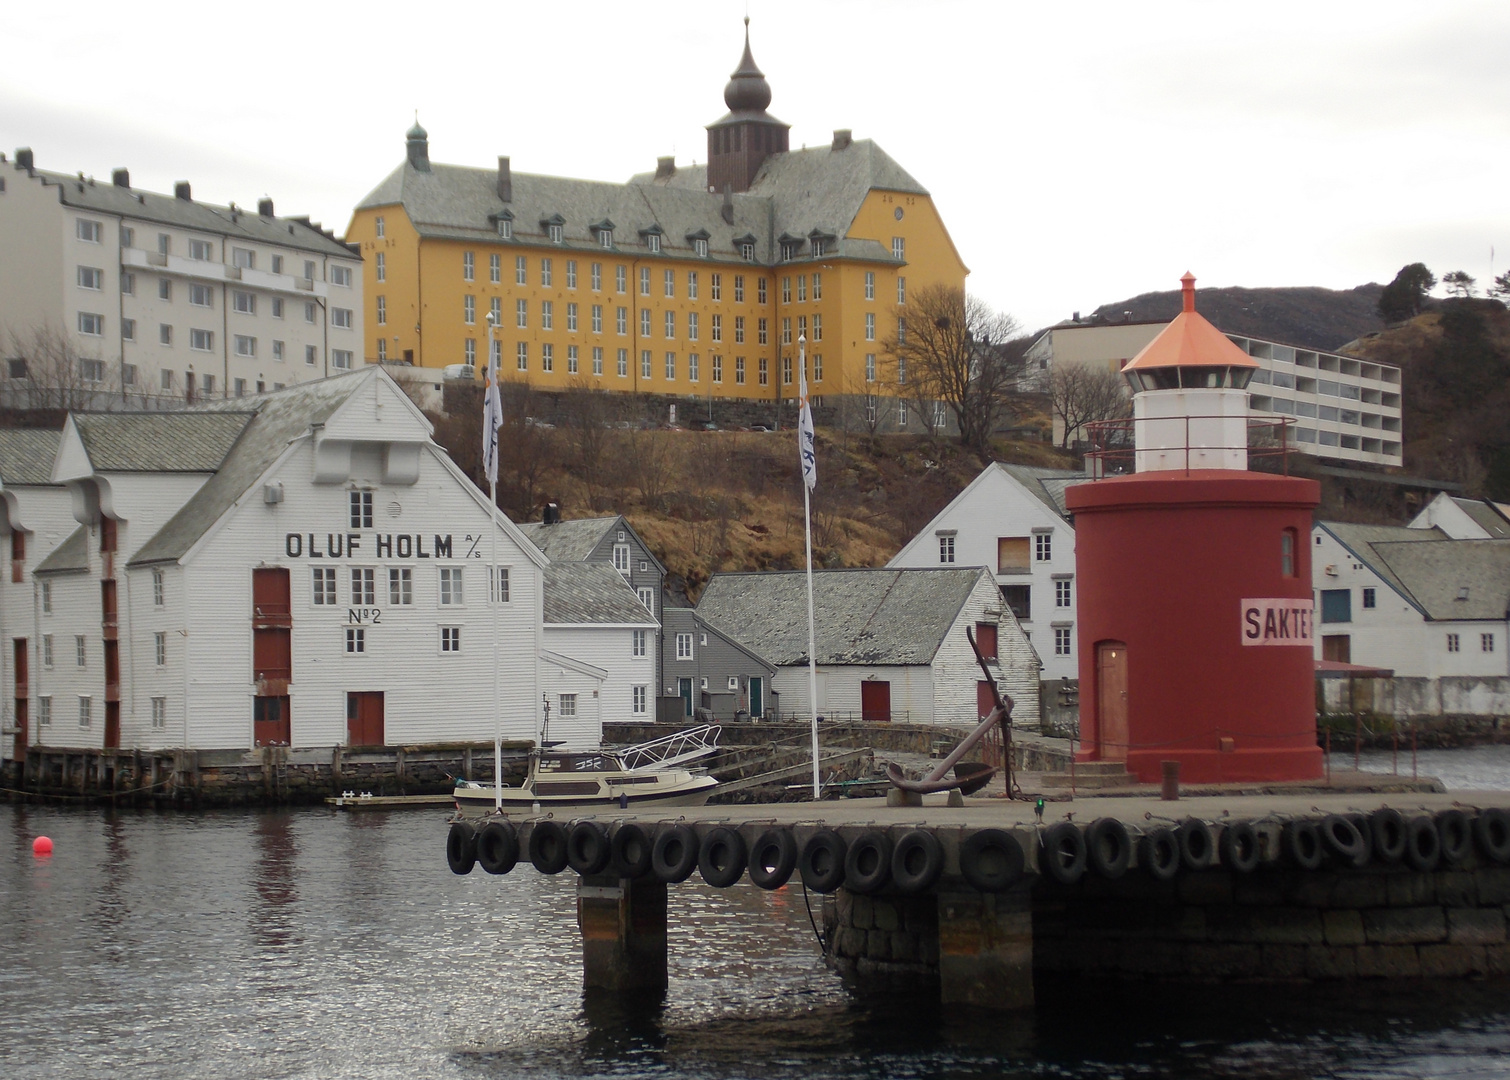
x,y
311,944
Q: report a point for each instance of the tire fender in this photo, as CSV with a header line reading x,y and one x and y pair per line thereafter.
x,y
773,857
548,846
821,863
461,847
587,849
916,862
498,847
721,857
992,860
1108,847
673,856
1239,847
867,863
1062,852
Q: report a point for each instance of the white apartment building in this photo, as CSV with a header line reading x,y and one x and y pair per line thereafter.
x,y
1011,520
113,297
1344,408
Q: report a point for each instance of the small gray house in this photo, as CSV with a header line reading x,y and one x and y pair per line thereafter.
x,y
708,668
608,540
891,642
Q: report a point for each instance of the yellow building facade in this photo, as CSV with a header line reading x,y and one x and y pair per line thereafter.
x,y
691,282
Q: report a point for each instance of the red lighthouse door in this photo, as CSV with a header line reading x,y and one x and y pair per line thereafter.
x,y
1111,700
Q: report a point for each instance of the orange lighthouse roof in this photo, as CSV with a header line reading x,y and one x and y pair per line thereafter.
x,y
1190,341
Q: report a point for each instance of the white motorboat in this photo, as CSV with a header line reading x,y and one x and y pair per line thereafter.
x,y
603,779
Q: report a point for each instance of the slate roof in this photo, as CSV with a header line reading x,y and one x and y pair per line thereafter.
x,y
278,419
1359,539
1047,485
795,192
71,555
581,592
1487,516
105,198
862,616
160,442
569,541
1452,579
26,455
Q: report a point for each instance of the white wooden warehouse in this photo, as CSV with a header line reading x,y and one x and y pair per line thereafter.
x,y
306,567
890,642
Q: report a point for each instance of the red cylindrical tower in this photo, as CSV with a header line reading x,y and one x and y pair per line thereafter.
x,y
1195,584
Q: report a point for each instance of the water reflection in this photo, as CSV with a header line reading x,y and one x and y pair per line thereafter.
x,y
310,944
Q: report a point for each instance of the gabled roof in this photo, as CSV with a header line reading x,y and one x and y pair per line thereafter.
x,y
795,191
569,541
670,615
863,616
1453,579
175,442
277,419
591,592
107,198
1046,485
1486,515
1359,540
26,456
70,556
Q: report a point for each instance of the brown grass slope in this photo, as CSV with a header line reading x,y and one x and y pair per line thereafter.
x,y
1311,317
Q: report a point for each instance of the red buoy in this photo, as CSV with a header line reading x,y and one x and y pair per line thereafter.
x,y
41,846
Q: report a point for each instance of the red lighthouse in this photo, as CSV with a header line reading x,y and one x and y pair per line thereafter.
x,y
1195,616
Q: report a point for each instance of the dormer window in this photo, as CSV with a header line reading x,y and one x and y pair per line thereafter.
x,y
605,238
653,242
505,223
817,247
557,234
747,252
554,228
700,248
790,249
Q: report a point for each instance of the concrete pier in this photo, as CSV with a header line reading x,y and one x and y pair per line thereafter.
x,y
1228,886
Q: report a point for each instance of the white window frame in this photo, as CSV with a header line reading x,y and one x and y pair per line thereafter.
x,y
452,592
684,647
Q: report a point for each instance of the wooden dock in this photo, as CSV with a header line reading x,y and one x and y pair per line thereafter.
x,y
387,802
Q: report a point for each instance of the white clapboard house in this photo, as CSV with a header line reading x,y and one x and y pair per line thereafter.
x,y
305,567
890,642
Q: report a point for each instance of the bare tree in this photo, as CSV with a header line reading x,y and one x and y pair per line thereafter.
x,y
44,371
1080,394
954,350
586,423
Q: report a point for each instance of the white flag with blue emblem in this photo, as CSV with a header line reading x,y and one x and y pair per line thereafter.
x,y
807,441
492,420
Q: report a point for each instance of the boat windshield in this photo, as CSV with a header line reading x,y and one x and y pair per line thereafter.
x,y
579,763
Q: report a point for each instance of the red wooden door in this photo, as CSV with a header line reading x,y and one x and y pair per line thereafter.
x,y
270,720
984,700
23,699
875,702
364,718
112,725
1111,700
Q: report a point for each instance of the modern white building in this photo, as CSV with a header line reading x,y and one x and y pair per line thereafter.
x,y
1344,408
890,643
304,568
1011,520
114,297
1428,607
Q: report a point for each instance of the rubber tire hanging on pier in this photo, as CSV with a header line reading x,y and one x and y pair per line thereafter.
x,y
1239,847
1197,845
916,862
461,847
1390,836
1302,844
1492,831
1343,842
630,851
1423,844
673,856
773,857
1456,836
587,848
497,847
1108,847
1159,853
991,860
867,863
548,847
721,858
821,863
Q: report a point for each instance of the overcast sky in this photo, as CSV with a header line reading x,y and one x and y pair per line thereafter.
x,y
1080,153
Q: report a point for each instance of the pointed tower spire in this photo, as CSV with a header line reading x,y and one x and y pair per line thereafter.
x,y
741,141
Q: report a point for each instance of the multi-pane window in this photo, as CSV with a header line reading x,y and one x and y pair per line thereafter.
x,y
1062,592
547,315
545,272
692,326
571,359
621,278
739,370
597,359
717,332
382,311
739,288
501,586
381,266
91,278
870,326
761,335
568,705
87,231
898,248
621,558
1486,642
378,226
739,329
91,325
668,282
522,355
760,290
692,368
946,549
597,277
323,581
363,589
44,710
469,309
361,509
521,313
801,288
691,284
246,345
644,281
901,290
1062,640
557,233
817,327
716,286
1043,546
597,318
450,636
85,705
81,655
623,363
817,286
1370,598
644,322
356,639
159,712
468,266
571,273
547,357
495,306
671,367
521,270
637,701
495,269
684,647
747,251
870,285
157,588
1452,643
203,251
637,643
870,367
160,647
786,330
670,324
621,321
450,585
786,370
47,651
645,363
400,586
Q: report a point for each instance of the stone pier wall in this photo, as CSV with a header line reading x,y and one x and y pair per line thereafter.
x,y
882,941
1278,924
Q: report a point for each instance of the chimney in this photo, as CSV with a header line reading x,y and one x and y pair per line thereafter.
x,y
23,158
665,168
120,177
1075,317
181,191
842,138
728,207
505,180
552,514
265,207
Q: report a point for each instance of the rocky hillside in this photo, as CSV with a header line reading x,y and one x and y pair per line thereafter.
x,y
1311,317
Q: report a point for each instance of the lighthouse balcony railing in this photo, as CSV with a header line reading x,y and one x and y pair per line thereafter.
x,y
1114,448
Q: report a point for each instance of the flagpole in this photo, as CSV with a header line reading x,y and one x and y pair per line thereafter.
x,y
493,582
809,476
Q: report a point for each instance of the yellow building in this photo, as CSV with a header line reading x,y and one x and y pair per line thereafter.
x,y
685,281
